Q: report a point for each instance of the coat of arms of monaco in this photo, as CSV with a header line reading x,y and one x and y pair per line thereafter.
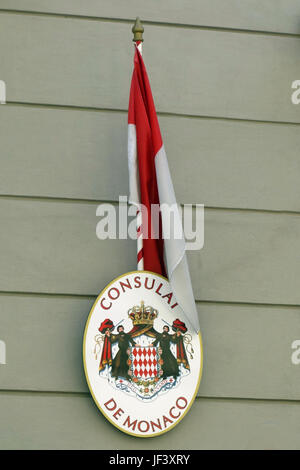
x,y
142,358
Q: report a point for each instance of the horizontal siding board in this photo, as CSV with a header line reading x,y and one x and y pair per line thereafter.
x,y
73,422
66,61
82,154
50,246
250,14
240,343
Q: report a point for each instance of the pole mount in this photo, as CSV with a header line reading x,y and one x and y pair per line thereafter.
x,y
138,30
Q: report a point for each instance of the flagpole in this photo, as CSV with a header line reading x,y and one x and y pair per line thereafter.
x,y
138,30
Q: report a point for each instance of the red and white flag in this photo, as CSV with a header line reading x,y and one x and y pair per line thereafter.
x,y
150,184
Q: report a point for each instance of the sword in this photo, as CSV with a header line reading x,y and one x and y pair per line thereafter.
x,y
167,323
118,324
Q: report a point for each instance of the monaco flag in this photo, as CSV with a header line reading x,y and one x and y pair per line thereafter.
x,y
151,186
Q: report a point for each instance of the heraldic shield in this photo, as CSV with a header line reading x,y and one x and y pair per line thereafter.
x,y
144,362
140,350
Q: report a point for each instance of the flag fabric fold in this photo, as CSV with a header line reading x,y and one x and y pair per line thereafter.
x,y
150,184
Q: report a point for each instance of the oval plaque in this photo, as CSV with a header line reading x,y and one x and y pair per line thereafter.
x,y
142,358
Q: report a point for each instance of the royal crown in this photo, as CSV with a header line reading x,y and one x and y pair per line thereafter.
x,y
141,315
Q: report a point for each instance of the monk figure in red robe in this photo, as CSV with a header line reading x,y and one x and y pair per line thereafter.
x,y
106,356
179,328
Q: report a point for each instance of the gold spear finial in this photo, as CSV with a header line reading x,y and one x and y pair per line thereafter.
x,y
138,30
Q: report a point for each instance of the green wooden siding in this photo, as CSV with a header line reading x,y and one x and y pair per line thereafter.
x,y
82,154
280,16
71,421
67,61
